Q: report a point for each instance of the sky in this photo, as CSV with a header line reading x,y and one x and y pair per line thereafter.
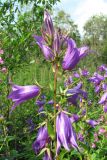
x,y
81,10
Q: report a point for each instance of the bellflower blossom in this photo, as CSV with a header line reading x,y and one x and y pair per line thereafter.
x,y
48,27
92,123
66,136
74,118
41,140
73,55
104,86
102,68
76,75
84,72
51,43
96,79
21,94
103,101
75,93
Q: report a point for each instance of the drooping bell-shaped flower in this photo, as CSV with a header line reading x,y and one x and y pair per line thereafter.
x,y
103,98
83,51
92,123
104,86
66,136
71,57
74,118
21,94
102,68
96,79
41,140
47,51
75,94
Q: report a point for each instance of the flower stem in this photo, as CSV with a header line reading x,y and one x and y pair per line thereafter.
x,y
55,92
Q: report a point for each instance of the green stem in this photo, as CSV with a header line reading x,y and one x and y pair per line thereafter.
x,y
55,92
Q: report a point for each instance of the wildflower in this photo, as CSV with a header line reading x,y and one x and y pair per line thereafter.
x,y
104,86
84,73
42,139
48,28
75,93
74,118
102,68
101,131
96,79
93,145
21,94
66,136
97,88
92,123
76,75
47,51
105,108
51,102
80,137
4,69
1,61
103,98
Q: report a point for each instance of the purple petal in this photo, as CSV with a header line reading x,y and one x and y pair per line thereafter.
x,y
103,98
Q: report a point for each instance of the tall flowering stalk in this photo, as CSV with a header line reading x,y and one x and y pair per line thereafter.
x,y
63,54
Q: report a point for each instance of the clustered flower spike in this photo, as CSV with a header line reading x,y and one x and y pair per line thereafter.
x,y
21,94
53,44
66,136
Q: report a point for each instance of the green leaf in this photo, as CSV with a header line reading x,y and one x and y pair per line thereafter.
x,y
50,130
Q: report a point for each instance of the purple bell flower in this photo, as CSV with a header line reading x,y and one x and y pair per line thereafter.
x,y
104,86
84,73
74,118
41,140
40,103
51,102
102,68
48,24
71,57
105,108
80,137
97,89
48,53
75,94
96,79
83,51
21,94
76,75
103,98
66,136
92,123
